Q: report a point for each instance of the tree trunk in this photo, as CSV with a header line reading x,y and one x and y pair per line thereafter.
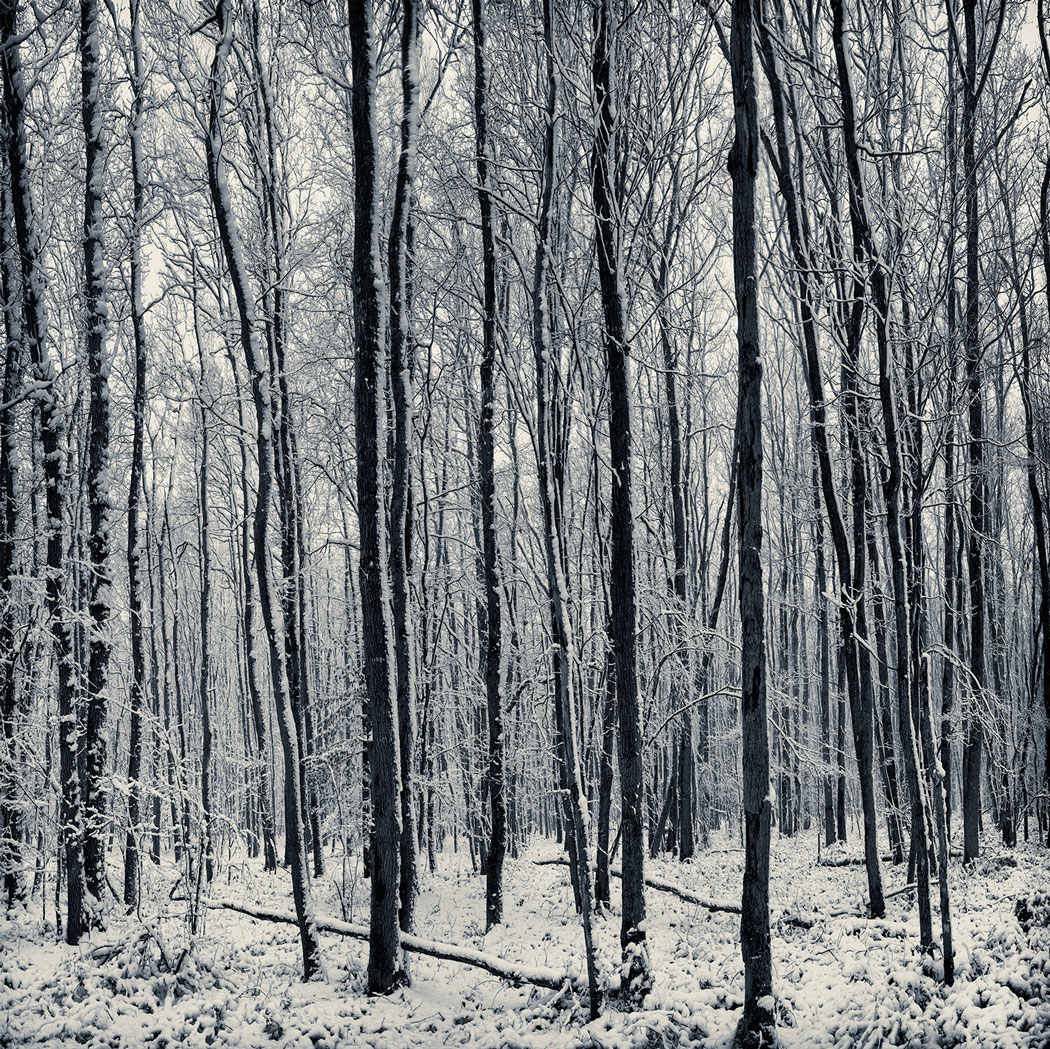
x,y
550,497
52,439
824,656
138,464
262,771
402,355
1038,511
98,466
12,820
757,1025
204,684
853,654
605,777
980,520
386,968
245,300
909,682
495,774
685,756
884,716
636,980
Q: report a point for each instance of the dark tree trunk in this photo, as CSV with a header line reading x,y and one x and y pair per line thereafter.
x,y
1038,510
914,742
824,656
273,208
52,439
853,655
245,300
495,774
757,1025
386,968
551,490
311,770
12,820
953,581
97,474
685,756
175,785
884,716
138,325
637,979
980,517
261,771
402,355
204,684
274,300
605,778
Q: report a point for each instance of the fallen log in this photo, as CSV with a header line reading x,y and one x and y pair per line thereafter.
x,y
859,861
722,906
848,861
513,973
787,917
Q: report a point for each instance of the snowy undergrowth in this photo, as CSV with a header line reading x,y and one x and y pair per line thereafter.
x,y
841,980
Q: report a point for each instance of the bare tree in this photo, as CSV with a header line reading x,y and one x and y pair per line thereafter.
x,y
386,966
757,1025
551,494
495,775
245,303
604,164
402,355
97,474
52,439
138,464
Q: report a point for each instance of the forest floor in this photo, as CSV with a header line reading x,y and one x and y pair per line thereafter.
x,y
841,980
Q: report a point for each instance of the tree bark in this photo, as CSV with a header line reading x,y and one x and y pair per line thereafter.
x,y
980,517
495,774
204,682
386,968
402,356
138,464
100,578
12,820
1038,510
261,771
685,755
52,439
757,1026
824,656
636,980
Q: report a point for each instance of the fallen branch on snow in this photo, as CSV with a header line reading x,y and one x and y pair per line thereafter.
x,y
848,861
900,892
859,861
799,920
448,952
724,906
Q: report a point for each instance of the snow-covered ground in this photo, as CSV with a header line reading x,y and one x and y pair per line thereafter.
x,y
841,980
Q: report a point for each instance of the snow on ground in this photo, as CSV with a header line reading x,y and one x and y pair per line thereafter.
x,y
841,980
